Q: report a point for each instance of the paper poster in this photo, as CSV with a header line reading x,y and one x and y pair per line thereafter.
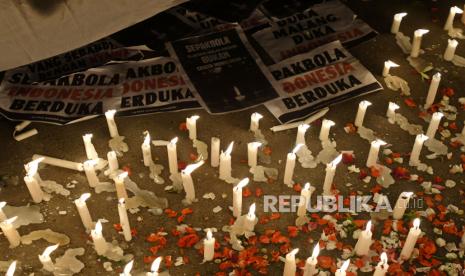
x,y
224,70
311,81
311,28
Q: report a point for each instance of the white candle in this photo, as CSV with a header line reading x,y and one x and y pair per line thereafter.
x,y
46,260
364,241
412,238
89,170
84,211
416,44
310,264
342,271
391,111
215,152
305,195
433,89
252,149
301,130
382,267
59,162
450,50
401,205
290,165
330,173
173,156
289,263
396,22
124,220
127,269
237,197
450,19
147,150
11,269
254,121
119,185
154,267
208,247
250,219
434,124
374,151
362,108
100,244
32,182
113,164
91,153
191,124
387,66
2,214
325,126
225,163
416,150
110,115
187,181
10,232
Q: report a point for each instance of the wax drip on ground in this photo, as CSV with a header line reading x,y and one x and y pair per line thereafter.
x,y
404,43
26,214
48,235
456,33
116,253
395,83
262,174
305,158
176,185
385,178
366,133
118,145
404,124
51,186
69,264
155,172
239,229
143,198
202,148
328,153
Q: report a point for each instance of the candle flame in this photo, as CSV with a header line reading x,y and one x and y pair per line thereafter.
x,y
84,197
49,250
416,223
98,227
316,250
307,186
378,142
251,210
209,234
194,117
390,63
229,149
174,141
453,42
422,138
156,265
421,32
368,227
147,138
456,9
336,161
400,15
393,106
33,166
122,176
255,144
344,266
304,127
407,194
11,269
438,115
293,252
90,163
297,148
110,113
328,123
365,103
128,268
121,201
10,220
384,258
2,204
257,116
87,137
192,167
242,183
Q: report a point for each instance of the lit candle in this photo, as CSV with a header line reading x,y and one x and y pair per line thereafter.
x,y
325,126
45,259
310,264
10,232
450,50
84,211
387,66
412,238
2,214
173,156
289,264
305,195
450,19
396,22
434,124
32,182
59,162
110,115
11,269
100,244
250,219
127,269
374,150
124,220
113,164
254,121
330,173
290,165
415,154
187,181
342,271
90,149
89,170
433,89
147,150
191,124
364,241
401,205
154,267
225,163
300,138
208,247
416,44
252,149
391,111
362,108
237,197
215,152
382,267
119,185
